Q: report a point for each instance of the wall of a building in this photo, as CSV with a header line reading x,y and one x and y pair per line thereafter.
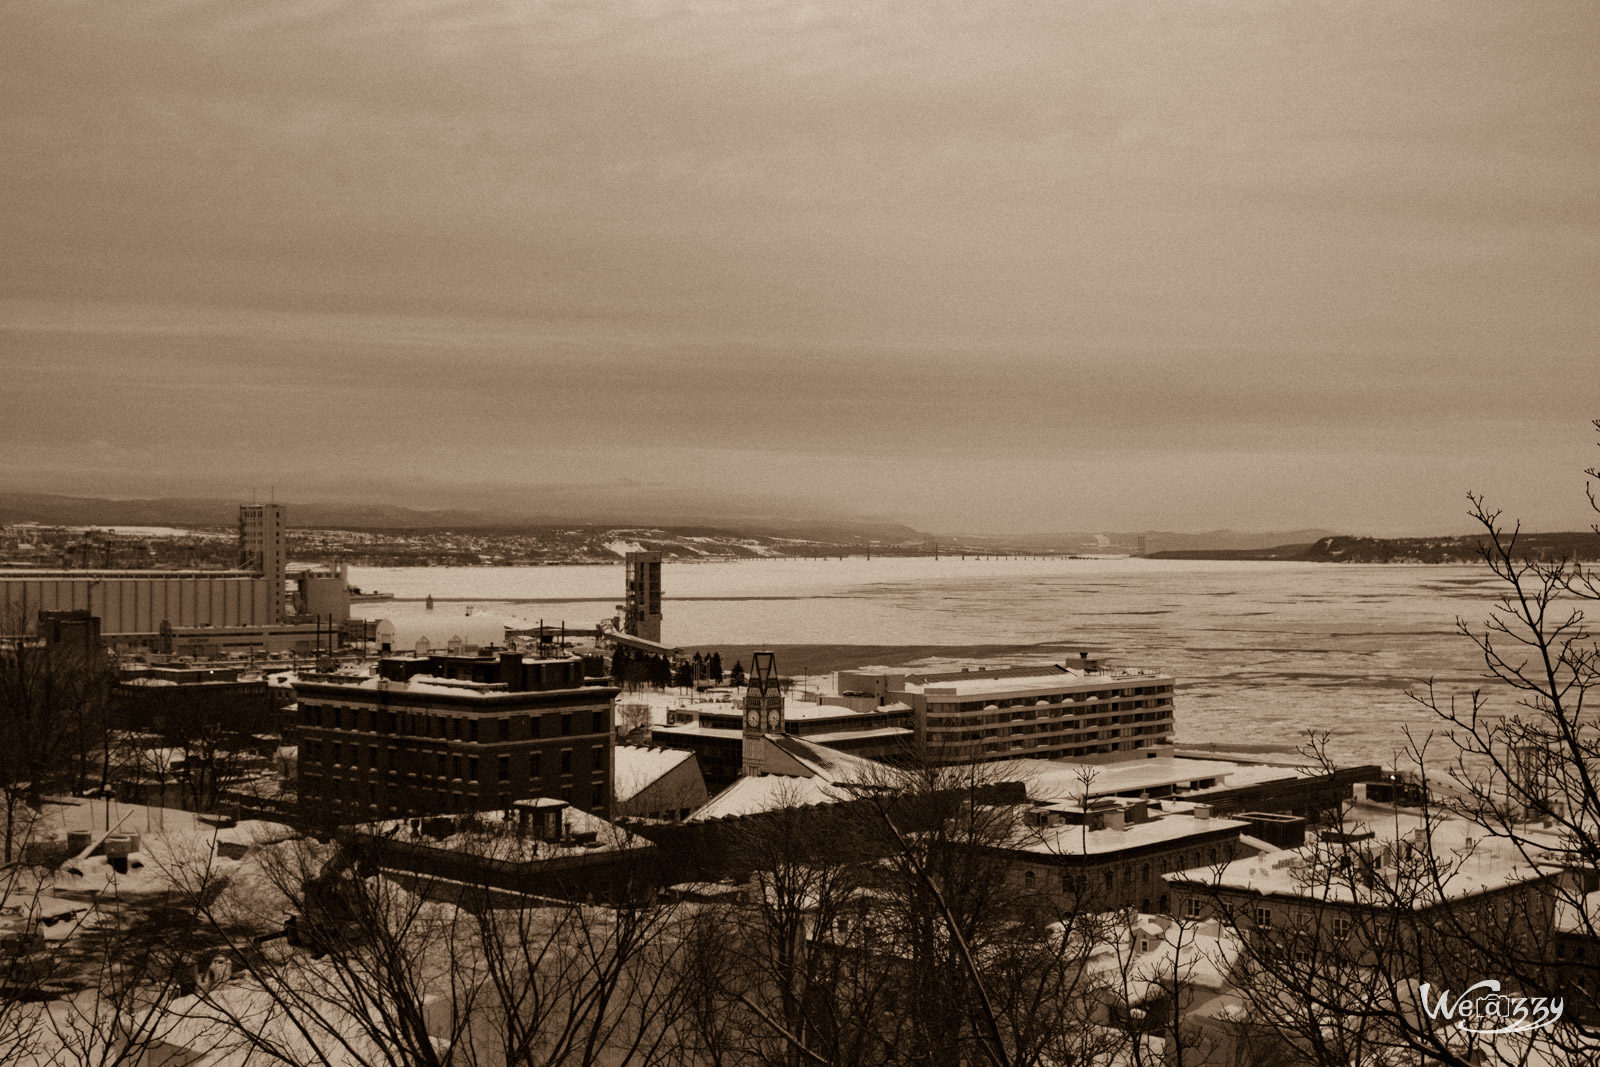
x,y
327,597
134,603
374,754
1130,878
672,796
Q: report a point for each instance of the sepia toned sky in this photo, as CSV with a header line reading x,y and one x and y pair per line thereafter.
x,y
1009,266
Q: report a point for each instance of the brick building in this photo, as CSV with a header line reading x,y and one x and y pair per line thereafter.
x,y
452,733
1113,854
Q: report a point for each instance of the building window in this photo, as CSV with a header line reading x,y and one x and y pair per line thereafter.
x,y
566,724
1195,908
505,729
1341,927
533,765
601,723
473,730
472,768
598,765
505,768
1263,916
566,761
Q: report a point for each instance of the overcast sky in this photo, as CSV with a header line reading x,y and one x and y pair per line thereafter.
x,y
995,266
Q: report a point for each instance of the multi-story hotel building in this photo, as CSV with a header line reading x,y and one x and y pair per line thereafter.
x,y
1084,710
447,733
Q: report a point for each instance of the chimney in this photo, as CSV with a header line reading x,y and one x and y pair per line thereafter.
x,y
1115,820
1202,812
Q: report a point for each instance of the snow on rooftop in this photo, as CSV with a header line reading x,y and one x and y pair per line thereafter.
x,y
822,762
1076,841
636,768
489,834
878,733
1155,951
768,792
1059,780
1468,862
1571,920
1048,680
696,730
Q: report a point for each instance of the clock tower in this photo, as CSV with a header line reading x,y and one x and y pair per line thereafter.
x,y
763,711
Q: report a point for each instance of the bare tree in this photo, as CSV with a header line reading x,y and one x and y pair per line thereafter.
x,y
406,968
1485,873
895,928
52,707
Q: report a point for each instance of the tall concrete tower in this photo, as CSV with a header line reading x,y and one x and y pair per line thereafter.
x,y
261,550
763,711
642,609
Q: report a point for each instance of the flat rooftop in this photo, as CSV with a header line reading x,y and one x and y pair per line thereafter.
x,y
885,733
802,712
1061,680
1075,841
1059,780
1470,864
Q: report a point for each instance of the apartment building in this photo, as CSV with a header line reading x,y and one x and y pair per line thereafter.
x,y
453,733
1386,885
1113,854
1082,710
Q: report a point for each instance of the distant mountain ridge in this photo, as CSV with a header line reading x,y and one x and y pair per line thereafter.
x,y
1304,545
1153,541
1582,545
56,510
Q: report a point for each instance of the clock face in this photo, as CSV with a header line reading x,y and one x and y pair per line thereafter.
x,y
774,719
752,718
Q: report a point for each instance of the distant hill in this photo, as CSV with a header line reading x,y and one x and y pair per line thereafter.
x,y
1576,545
1147,542
54,510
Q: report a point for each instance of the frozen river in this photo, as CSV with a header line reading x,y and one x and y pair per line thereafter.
x,y
1263,652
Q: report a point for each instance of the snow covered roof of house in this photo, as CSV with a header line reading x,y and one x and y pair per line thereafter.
x,y
636,768
800,773
1571,920
1157,951
768,792
820,761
